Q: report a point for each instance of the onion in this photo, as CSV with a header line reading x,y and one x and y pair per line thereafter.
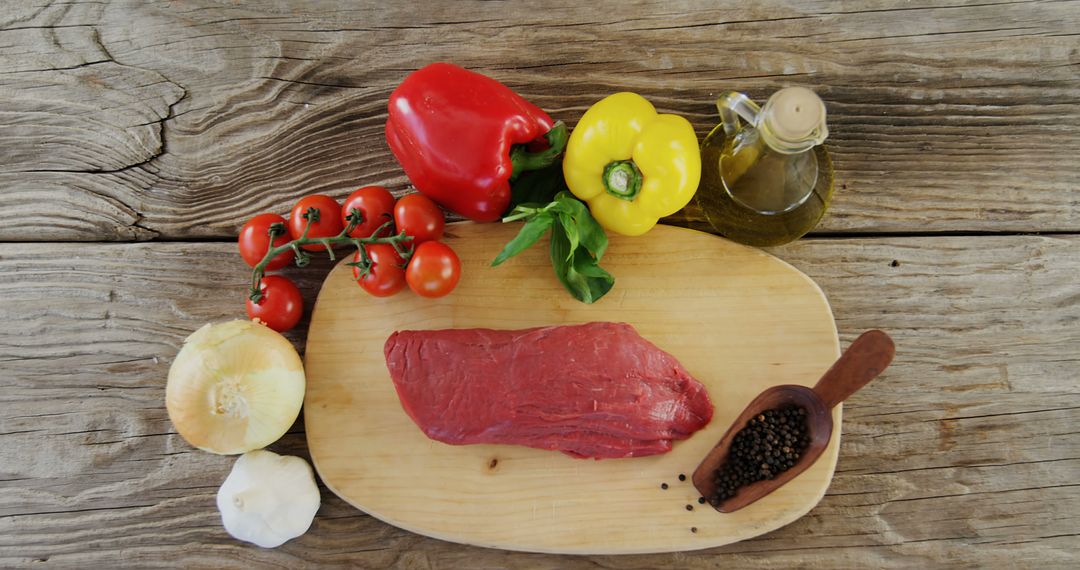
x,y
234,387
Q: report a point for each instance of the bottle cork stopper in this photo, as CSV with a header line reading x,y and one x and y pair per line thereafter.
x,y
795,114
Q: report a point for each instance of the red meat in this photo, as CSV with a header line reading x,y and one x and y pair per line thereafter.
x,y
596,390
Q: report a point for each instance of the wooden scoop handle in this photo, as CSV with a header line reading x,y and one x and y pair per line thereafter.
x,y
867,357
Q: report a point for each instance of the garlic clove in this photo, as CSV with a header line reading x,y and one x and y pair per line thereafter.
x,y
234,387
268,499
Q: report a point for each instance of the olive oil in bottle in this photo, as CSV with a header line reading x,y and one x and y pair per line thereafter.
x,y
767,181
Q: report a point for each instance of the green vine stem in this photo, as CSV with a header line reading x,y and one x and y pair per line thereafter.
x,y
355,218
523,211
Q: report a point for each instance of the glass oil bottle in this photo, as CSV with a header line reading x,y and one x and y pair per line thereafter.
x,y
766,179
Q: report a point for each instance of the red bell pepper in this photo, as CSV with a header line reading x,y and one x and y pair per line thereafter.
x,y
462,138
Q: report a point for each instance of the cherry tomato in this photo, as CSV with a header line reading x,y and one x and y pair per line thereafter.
x,y
329,223
419,218
386,276
280,306
434,269
376,204
254,241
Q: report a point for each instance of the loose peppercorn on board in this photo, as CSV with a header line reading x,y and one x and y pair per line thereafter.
x,y
737,318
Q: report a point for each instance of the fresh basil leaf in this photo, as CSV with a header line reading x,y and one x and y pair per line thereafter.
x,y
577,240
560,250
585,288
566,202
590,234
598,279
538,185
564,268
558,207
530,233
579,284
585,265
572,204
577,269
570,227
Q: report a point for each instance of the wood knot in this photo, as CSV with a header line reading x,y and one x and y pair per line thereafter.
x,y
494,463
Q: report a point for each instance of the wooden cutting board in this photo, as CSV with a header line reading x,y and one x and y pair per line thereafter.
x,y
740,321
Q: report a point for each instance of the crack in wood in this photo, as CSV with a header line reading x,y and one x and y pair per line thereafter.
x,y
74,511
69,68
722,23
966,494
856,472
1017,413
930,7
297,81
49,27
927,34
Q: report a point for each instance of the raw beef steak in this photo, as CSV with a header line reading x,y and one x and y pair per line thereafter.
x,y
596,390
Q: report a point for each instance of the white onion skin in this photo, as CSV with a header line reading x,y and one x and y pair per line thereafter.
x,y
234,387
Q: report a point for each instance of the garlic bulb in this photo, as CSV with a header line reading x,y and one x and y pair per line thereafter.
x,y
234,387
268,498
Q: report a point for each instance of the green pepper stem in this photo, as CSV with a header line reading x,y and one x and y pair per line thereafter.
x,y
523,160
622,179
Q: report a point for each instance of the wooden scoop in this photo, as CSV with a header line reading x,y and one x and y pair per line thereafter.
x,y
867,357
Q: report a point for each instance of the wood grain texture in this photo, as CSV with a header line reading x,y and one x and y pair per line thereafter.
x,y
134,120
964,452
779,331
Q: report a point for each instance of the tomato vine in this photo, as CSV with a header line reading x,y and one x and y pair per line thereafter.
x,y
354,218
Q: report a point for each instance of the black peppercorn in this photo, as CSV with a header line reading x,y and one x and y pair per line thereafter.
x,y
663,486
770,443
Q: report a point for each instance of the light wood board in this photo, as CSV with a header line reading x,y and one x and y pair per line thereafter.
x,y
737,318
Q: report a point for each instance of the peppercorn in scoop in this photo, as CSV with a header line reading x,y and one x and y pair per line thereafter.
x,y
771,443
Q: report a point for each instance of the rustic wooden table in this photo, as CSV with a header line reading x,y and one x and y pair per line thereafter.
x,y
136,138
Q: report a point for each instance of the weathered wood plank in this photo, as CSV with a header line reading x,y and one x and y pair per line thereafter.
x,y
132,120
964,453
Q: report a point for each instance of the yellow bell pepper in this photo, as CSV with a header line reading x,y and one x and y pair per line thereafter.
x,y
630,164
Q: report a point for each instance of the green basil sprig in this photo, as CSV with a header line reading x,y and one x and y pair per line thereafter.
x,y
577,244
